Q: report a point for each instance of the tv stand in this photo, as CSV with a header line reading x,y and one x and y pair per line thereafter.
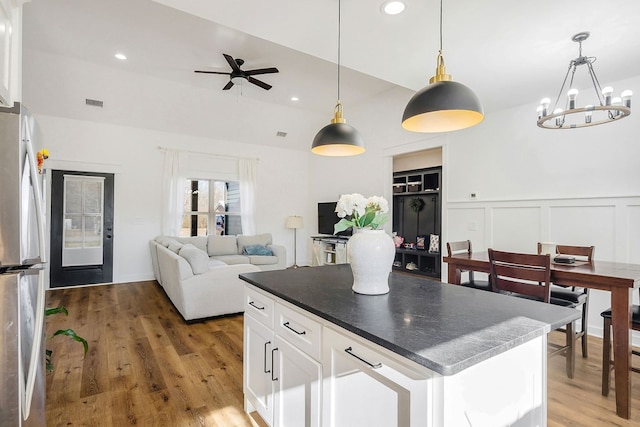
x,y
329,250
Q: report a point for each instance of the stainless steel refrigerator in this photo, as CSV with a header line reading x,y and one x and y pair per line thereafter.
x,y
22,258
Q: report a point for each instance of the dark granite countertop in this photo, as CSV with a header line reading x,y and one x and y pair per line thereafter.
x,y
446,328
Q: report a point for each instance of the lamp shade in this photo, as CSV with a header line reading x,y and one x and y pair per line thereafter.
x,y
338,139
441,107
294,222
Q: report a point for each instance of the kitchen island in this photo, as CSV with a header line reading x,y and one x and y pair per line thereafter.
x,y
427,353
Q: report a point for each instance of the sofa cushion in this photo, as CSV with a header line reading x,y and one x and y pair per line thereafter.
x,y
175,246
199,242
164,240
197,258
221,245
258,239
256,250
263,260
233,259
216,263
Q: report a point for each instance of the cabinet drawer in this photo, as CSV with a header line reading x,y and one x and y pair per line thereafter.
x,y
300,330
259,306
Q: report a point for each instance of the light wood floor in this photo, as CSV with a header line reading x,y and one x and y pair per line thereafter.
x,y
146,366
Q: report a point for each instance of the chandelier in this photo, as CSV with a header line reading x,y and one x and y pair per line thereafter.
x,y
605,110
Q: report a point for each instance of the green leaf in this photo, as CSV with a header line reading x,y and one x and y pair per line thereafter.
x,y
55,310
72,334
378,221
342,225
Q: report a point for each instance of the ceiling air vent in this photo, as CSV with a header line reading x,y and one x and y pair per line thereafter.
x,y
94,102
281,134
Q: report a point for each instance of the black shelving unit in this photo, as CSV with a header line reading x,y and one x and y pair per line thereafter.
x,y
417,212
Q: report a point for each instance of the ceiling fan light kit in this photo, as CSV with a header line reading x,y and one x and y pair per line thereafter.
x,y
444,105
606,110
338,139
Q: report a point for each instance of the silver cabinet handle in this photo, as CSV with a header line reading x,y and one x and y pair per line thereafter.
x,y
253,304
272,359
286,325
265,358
350,352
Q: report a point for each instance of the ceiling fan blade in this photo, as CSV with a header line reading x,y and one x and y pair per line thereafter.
x,y
211,72
261,71
232,62
228,85
257,82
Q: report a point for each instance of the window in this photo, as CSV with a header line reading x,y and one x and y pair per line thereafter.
x,y
211,207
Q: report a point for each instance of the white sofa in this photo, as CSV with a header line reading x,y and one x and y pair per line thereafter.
x,y
200,274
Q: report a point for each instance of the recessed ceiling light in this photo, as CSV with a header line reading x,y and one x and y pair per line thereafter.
x,y
295,98
120,56
392,7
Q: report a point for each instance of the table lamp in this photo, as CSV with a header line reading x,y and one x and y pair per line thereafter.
x,y
294,222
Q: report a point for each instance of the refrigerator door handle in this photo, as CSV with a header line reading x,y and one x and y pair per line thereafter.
x,y
38,196
36,350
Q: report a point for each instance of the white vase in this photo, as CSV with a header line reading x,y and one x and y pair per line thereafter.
x,y
371,254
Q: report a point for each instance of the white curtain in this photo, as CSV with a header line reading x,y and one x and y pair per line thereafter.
x,y
247,176
172,194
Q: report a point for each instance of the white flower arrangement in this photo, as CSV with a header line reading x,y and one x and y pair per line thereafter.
x,y
357,211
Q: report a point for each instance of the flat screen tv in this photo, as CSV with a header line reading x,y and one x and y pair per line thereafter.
x,y
327,218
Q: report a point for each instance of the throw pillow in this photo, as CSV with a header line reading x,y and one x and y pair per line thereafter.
x,y
257,250
197,258
221,245
258,239
175,246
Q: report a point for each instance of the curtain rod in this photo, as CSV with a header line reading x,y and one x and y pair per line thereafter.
x,y
219,156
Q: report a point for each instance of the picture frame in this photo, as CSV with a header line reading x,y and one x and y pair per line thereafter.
x,y
421,242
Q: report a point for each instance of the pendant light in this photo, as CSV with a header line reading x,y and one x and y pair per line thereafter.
x,y
338,138
444,105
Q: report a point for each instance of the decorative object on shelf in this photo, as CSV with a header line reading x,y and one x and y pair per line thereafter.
x,y
397,240
294,222
338,138
370,251
411,266
41,156
409,245
434,243
605,110
420,242
444,105
416,204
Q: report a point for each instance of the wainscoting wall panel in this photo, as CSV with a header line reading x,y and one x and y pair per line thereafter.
x,y
612,225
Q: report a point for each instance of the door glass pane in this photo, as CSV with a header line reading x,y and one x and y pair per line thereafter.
x,y
73,196
93,197
93,231
73,231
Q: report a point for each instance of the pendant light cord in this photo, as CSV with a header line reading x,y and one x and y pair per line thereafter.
x,y
440,26
339,27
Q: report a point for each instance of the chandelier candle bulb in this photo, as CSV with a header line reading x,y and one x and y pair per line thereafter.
x,y
588,113
626,98
559,119
572,98
539,111
545,106
607,91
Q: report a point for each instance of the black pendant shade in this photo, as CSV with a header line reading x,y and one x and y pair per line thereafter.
x,y
338,139
441,107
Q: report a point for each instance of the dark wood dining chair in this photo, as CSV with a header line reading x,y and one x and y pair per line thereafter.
x,y
607,363
572,296
529,276
464,247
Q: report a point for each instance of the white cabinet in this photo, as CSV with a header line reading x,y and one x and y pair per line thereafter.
x,y
282,373
258,368
367,388
10,51
329,250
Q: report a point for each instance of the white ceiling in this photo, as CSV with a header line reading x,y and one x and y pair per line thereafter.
x,y
510,52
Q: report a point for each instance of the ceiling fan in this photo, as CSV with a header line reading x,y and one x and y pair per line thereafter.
x,y
237,73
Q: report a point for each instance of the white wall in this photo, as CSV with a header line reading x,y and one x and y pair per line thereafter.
x,y
133,155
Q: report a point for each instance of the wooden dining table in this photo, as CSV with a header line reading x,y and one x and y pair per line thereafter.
x,y
618,278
